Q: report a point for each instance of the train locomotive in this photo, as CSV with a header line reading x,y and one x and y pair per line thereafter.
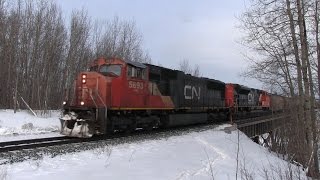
x,y
118,95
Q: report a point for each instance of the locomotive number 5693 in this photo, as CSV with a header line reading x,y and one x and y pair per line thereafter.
x,y
135,85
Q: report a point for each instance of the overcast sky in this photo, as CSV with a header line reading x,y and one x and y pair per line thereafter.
x,y
204,32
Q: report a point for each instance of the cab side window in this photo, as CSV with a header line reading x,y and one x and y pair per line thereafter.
x,y
135,72
131,71
93,68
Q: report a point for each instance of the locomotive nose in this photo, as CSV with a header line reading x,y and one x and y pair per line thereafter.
x,y
91,90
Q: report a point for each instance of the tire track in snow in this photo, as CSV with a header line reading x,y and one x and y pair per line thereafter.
x,y
208,164
217,150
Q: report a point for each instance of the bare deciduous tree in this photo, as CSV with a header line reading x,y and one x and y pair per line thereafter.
x,y
40,55
186,68
278,32
119,38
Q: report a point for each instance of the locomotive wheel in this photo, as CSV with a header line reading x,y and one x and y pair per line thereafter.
x,y
149,127
164,121
154,123
131,128
110,128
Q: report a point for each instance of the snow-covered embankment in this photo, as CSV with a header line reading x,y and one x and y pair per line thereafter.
x,y
211,154
23,125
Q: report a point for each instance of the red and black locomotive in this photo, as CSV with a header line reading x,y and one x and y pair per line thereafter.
x,y
118,95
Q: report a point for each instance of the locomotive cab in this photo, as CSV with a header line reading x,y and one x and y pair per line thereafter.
x,y
92,88
92,92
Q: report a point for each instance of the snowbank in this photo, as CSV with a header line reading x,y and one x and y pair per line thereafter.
x,y
210,154
14,125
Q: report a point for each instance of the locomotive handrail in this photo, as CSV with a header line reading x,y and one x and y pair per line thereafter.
x,y
93,100
97,92
101,99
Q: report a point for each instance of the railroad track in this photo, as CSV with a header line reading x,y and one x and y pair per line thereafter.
x,y
41,142
55,141
19,145
19,151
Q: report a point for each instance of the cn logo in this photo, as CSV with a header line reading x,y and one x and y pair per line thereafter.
x,y
191,92
250,97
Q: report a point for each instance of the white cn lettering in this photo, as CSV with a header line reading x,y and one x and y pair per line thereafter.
x,y
187,87
250,97
194,93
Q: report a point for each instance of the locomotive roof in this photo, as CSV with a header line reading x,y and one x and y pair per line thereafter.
x,y
103,60
136,64
213,80
160,67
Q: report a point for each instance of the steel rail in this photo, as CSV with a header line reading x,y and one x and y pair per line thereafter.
x,y
36,143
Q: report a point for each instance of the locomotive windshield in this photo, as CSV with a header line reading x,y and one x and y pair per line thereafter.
x,y
113,70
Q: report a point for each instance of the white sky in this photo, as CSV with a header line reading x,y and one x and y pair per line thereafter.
x,y
204,32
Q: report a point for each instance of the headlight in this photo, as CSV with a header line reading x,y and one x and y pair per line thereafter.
x,y
84,76
64,103
82,103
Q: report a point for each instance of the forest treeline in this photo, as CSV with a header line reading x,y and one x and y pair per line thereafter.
x,y
284,38
41,52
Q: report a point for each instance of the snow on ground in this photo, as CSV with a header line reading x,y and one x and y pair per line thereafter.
x,y
210,154
23,125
